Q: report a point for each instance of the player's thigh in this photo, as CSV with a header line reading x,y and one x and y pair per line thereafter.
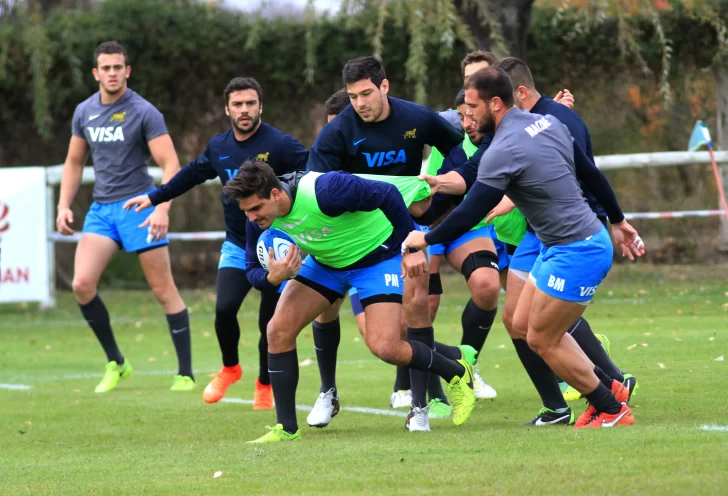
x,y
231,288
93,253
550,319
157,268
331,313
298,305
382,329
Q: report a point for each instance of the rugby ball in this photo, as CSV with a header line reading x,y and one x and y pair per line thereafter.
x,y
279,241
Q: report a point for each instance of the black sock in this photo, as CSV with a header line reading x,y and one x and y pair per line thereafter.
x,y
232,287
179,328
476,324
97,317
451,352
419,379
284,377
592,348
603,378
402,379
542,377
434,389
603,400
268,302
326,338
424,358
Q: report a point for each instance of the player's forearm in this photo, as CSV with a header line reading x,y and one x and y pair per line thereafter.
x,y
481,200
70,182
440,205
175,185
170,169
451,183
394,208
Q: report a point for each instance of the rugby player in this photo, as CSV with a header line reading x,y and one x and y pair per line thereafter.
x,y
365,222
536,161
122,130
248,138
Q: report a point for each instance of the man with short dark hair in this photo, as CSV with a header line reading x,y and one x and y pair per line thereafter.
x,y
352,229
529,99
536,161
248,138
379,134
336,103
122,130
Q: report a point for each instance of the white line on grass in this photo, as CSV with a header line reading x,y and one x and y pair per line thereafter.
x,y
15,387
720,428
307,408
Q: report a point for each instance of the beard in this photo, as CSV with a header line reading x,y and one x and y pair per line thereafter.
x,y
488,125
248,128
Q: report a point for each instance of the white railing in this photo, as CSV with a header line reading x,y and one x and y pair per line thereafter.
x,y
605,162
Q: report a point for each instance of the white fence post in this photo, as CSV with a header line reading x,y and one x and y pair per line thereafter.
x,y
50,299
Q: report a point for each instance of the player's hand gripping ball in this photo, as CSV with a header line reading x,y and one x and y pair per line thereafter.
x,y
279,241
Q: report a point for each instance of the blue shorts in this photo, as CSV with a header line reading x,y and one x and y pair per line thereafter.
x,y
231,257
526,253
112,221
573,272
356,307
378,283
481,232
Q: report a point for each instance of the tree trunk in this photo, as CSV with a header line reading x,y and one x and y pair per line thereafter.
x,y
514,17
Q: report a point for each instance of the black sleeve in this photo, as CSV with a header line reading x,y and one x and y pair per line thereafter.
x,y
440,204
255,272
588,173
196,172
295,156
339,192
477,205
328,152
469,169
442,135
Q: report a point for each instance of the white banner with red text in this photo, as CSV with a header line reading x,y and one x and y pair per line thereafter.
x,y
23,243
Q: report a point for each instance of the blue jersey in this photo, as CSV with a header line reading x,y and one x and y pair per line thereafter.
x,y
222,158
336,194
392,147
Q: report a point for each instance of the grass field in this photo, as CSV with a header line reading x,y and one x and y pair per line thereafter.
x,y
667,327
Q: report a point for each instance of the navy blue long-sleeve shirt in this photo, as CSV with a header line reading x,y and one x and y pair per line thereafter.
x,y
393,146
338,193
222,158
580,133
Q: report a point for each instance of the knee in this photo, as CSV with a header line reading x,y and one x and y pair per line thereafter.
x,y
277,339
84,289
386,352
165,291
538,342
517,328
225,308
485,287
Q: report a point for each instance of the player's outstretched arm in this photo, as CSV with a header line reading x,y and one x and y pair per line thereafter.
x,y
164,154
70,182
624,234
480,200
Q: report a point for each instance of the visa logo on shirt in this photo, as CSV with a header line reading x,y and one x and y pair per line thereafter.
x,y
379,159
106,134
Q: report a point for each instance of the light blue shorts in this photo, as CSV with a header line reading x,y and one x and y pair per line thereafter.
x,y
380,282
481,232
526,253
573,272
112,221
231,257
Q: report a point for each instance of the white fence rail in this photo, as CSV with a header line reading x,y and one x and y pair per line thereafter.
x,y
53,177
